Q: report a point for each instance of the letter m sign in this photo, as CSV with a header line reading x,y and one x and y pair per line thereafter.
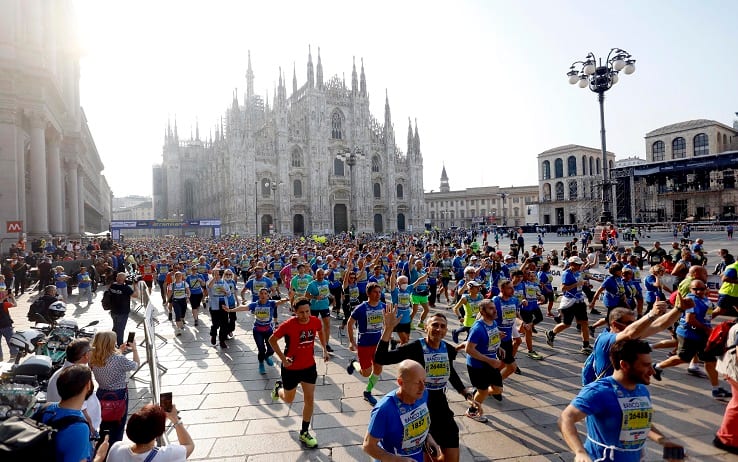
x,y
14,226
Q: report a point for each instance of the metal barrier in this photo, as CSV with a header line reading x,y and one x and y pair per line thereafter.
x,y
149,327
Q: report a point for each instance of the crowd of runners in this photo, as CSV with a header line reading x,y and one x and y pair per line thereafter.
x,y
379,290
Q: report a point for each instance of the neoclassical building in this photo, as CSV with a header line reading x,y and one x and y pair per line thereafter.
x,y
284,168
50,170
483,206
690,174
570,185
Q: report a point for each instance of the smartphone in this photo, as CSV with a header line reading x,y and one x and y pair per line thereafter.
x,y
673,453
165,401
131,337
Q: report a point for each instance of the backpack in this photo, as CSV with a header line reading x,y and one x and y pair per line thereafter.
x,y
718,339
107,300
27,438
37,307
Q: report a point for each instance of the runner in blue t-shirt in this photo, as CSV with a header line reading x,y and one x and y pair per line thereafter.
x,y
482,358
318,292
400,423
369,318
618,410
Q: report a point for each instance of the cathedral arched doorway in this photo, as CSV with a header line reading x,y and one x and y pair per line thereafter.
x,y
266,225
401,222
340,218
298,225
378,223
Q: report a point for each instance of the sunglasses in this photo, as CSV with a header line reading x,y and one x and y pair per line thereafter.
x,y
699,289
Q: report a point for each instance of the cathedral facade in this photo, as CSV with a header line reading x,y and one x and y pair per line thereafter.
x,y
313,162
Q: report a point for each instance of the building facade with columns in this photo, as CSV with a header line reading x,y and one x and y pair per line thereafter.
x,y
483,206
288,168
570,185
50,170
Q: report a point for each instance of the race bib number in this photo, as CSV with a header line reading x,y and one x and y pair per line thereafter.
x,y
324,290
262,313
636,423
374,320
415,424
403,299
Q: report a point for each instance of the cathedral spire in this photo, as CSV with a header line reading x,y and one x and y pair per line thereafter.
x,y
417,141
354,79
319,72
176,134
249,80
294,78
387,115
410,138
444,180
197,129
362,81
311,76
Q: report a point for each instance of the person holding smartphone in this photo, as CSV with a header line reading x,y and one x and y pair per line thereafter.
x,y
618,410
144,427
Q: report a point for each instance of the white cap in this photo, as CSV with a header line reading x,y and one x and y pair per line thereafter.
x,y
575,260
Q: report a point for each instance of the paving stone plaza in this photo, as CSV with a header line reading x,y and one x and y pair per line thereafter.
x,y
226,405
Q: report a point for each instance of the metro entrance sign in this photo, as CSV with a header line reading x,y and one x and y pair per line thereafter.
x,y
14,226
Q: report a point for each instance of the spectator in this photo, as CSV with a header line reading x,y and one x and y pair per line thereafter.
x,y
144,427
121,296
726,437
73,441
6,322
78,352
110,368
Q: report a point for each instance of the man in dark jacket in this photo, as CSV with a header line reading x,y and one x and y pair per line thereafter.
x,y
121,296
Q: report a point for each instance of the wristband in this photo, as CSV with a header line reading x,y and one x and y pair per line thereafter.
x,y
179,422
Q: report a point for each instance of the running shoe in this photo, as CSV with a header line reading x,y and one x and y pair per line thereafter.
x,y
533,329
532,354
557,319
586,350
262,369
721,393
373,401
223,346
455,336
179,331
269,361
497,396
591,332
275,390
308,440
329,349
197,322
475,415
170,315
550,338
518,371
594,311
212,340
697,372
421,326
351,368
230,335
656,372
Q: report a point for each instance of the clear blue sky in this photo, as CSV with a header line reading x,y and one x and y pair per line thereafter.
x,y
485,79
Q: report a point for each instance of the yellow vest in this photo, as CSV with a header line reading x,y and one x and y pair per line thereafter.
x,y
728,288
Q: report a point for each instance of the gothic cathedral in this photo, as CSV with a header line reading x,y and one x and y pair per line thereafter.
x,y
314,162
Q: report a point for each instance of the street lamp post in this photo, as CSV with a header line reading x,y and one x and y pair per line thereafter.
x,y
504,195
599,78
350,157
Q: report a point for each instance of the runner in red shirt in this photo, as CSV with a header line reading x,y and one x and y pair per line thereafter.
x,y
147,270
298,362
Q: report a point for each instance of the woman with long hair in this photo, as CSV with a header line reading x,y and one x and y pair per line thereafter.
x,y
111,368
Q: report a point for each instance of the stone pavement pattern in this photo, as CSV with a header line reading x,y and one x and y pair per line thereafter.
x,y
226,405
